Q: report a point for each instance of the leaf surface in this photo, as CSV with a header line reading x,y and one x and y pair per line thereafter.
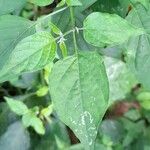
x,y
12,30
31,54
17,107
30,119
15,138
145,3
121,79
79,90
8,6
138,48
103,29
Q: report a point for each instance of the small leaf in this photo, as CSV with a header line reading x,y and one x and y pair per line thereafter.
x,y
144,99
143,96
61,3
55,29
17,107
79,91
103,29
42,91
46,112
41,2
30,119
133,114
63,49
47,72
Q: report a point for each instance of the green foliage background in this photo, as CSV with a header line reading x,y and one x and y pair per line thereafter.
x,y
74,75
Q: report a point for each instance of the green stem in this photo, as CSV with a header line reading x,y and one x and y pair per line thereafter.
x,y
42,78
48,120
50,15
73,25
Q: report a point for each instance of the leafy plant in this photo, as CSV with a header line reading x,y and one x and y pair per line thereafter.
x,y
72,64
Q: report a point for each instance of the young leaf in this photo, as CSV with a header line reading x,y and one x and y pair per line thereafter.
x,y
41,2
30,119
42,91
63,48
46,112
103,29
17,107
61,3
55,29
47,71
31,54
79,91
138,53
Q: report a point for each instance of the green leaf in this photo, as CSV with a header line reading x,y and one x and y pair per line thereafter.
x,y
8,6
143,96
26,80
73,3
42,91
113,130
103,29
48,140
15,138
61,3
46,112
7,117
138,54
30,119
17,107
31,54
79,91
145,3
63,48
55,29
121,79
12,30
41,2
144,99
133,114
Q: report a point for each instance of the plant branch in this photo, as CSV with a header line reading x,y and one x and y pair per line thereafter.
x,y
61,37
73,25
